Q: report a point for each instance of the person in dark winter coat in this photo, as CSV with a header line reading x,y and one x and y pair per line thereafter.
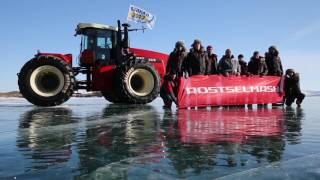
x,y
243,65
196,59
292,88
228,65
257,65
176,60
274,62
212,62
167,90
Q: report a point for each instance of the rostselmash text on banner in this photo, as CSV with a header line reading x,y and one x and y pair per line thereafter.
x,y
137,14
214,90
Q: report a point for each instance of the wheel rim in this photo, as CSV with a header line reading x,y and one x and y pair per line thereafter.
x,y
47,81
141,82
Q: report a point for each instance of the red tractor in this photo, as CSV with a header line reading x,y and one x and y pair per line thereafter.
x,y
121,73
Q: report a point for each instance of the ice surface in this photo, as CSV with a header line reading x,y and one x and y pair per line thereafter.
x,y
89,138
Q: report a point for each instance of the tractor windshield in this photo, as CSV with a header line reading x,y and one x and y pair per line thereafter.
x,y
101,42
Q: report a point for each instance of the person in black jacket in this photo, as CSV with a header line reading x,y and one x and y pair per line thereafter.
x,y
292,88
243,65
274,62
167,90
212,62
176,60
196,59
257,65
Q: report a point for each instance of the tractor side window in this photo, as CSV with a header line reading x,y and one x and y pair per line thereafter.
x,y
84,43
87,43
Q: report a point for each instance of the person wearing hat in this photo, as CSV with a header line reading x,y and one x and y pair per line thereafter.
x,y
212,62
176,60
228,65
257,65
292,88
243,65
196,59
274,62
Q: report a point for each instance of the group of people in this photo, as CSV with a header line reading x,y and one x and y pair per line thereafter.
x,y
199,61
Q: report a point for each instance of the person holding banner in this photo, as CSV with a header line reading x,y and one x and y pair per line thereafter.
x,y
196,59
176,60
212,62
274,62
236,68
257,65
167,91
228,65
243,65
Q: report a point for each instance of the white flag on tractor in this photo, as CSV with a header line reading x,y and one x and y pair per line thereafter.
x,y
139,15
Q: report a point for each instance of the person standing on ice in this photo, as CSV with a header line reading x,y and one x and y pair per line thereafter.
x,y
257,65
236,68
167,91
274,62
228,65
212,62
176,60
292,88
196,59
243,65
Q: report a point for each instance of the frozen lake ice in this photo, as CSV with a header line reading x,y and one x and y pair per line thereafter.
x,y
88,138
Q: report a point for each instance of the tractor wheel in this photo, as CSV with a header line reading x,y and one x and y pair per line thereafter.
x,y
46,81
138,83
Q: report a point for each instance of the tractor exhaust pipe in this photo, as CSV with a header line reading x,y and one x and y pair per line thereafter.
x,y
122,43
118,47
125,41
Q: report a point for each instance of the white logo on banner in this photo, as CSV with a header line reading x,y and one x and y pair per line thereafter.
x,y
231,89
137,14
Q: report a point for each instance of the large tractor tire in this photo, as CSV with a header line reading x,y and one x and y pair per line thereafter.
x,y
46,81
111,97
138,83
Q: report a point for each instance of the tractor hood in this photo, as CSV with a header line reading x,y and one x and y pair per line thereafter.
x,y
149,54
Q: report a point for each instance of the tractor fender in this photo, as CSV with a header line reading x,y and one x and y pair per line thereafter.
x,y
157,59
64,57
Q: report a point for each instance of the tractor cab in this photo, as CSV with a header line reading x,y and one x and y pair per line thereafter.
x,y
98,44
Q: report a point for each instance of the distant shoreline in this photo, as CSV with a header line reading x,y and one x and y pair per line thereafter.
x,y
11,94
17,94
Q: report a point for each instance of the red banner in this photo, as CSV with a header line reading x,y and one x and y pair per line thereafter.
x,y
214,90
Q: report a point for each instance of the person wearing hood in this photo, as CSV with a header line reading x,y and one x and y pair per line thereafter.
x,y
243,65
212,62
292,88
196,59
228,65
176,60
273,62
257,65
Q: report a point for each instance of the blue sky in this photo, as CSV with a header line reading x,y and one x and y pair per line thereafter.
x,y
244,26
